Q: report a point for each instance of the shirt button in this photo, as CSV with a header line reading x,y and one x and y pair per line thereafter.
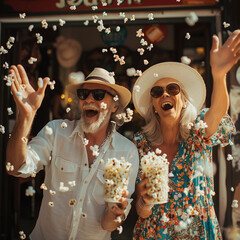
x,y
62,168
80,200
86,182
85,164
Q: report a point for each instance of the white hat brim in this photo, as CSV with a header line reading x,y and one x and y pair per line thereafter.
x,y
123,93
189,78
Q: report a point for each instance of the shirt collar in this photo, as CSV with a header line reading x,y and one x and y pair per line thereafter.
x,y
78,130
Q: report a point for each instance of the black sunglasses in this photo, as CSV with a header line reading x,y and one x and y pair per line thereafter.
x,y
98,94
172,89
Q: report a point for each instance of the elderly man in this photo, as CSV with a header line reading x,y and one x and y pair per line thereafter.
x,y
73,155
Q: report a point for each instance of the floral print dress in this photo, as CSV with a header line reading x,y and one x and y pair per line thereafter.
x,y
189,212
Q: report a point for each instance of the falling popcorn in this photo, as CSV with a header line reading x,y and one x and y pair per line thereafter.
x,y
6,65
86,22
104,14
229,157
30,27
54,28
68,109
186,60
141,51
119,2
116,177
131,72
118,28
40,82
118,219
187,36
51,204
73,8
61,22
116,98
191,19
120,229
22,235
63,125
95,18
44,24
9,167
85,141
150,47
30,191
52,192
232,189
122,14
9,110
31,60
72,202
140,33
103,105
136,88
94,8
39,38
226,25
63,188
22,15
155,168
51,84
3,50
48,130
146,62
234,204
104,50
132,18
43,186
95,150
150,16
155,75
72,183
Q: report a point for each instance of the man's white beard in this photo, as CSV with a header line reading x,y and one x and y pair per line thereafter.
x,y
92,127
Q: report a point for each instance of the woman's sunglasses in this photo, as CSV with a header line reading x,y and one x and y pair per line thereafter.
x,y
172,89
98,94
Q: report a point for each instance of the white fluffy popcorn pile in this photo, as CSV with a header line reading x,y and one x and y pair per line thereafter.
x,y
155,168
116,179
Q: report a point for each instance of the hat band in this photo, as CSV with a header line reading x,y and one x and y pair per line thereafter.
x,y
96,78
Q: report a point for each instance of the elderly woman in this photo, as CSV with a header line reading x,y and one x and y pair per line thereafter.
x,y
169,95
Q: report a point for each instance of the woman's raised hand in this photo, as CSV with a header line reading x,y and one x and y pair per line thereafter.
x,y
27,99
223,58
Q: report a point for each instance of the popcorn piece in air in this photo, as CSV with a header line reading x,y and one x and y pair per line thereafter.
x,y
95,18
150,47
30,27
137,88
188,36
95,150
22,15
43,186
22,235
51,84
44,24
24,139
51,204
232,189
150,16
104,14
139,33
132,18
118,28
226,25
234,204
125,20
6,65
191,19
52,192
186,60
116,98
72,183
9,110
54,28
119,2
9,167
108,30
40,82
131,72
229,157
68,109
120,229
155,168
103,105
118,219
72,202
48,130
94,8
63,188
31,60
3,50
104,50
30,191
116,177
143,42
86,22
73,7
122,14
141,51
61,22
146,62
85,141
39,38
63,125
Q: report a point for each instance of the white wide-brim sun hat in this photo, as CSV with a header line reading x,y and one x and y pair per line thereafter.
x,y
191,81
103,77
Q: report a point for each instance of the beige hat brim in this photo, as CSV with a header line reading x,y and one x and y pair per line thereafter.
x,y
123,93
189,78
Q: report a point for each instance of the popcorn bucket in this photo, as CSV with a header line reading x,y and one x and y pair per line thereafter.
x,y
155,168
116,179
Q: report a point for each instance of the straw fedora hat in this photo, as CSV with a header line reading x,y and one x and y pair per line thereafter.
x,y
102,76
189,78
68,51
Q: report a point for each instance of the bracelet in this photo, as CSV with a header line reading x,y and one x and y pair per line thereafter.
x,y
143,205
